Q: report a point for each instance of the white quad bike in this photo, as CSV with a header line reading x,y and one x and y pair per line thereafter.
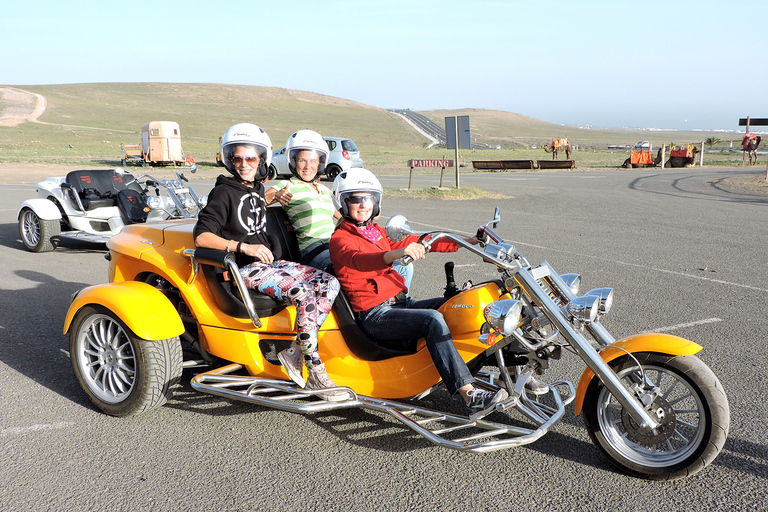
x,y
94,205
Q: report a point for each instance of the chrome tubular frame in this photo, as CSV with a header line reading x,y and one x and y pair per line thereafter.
x,y
477,436
234,272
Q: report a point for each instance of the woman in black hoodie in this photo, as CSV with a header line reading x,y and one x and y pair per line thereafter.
x,y
235,220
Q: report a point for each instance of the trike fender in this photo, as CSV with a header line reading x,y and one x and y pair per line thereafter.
x,y
659,343
43,208
143,308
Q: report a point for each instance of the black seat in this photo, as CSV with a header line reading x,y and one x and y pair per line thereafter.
x,y
133,205
362,345
97,188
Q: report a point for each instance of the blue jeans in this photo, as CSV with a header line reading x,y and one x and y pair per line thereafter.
x,y
408,319
404,270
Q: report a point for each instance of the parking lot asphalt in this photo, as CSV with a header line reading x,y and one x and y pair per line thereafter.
x,y
683,255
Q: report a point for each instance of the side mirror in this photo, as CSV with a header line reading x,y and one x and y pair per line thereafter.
x,y
193,168
398,228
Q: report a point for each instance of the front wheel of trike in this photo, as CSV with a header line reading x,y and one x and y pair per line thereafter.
x,y
122,374
685,396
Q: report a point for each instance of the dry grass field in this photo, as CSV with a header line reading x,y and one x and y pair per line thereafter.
x,y
84,125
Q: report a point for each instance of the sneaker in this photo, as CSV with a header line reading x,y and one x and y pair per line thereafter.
x,y
319,379
480,399
536,387
293,362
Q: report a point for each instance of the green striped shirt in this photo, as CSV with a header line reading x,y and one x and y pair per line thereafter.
x,y
310,213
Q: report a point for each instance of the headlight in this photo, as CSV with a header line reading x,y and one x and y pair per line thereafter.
x,y
584,308
188,202
203,201
503,315
155,202
572,281
605,295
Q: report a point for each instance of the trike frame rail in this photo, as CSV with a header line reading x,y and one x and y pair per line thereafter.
x,y
481,435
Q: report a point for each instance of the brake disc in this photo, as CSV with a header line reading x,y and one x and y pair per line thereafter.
x,y
664,414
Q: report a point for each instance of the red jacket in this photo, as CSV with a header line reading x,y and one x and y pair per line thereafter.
x,y
359,265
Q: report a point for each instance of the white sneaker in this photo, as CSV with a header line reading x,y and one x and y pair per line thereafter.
x,y
293,363
319,379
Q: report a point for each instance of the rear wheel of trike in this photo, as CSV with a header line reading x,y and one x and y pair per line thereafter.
x,y
121,373
38,234
691,406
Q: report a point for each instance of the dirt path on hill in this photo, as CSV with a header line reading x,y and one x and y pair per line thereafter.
x,y
21,106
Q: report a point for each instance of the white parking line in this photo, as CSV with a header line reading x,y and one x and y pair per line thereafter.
x,y
685,325
33,428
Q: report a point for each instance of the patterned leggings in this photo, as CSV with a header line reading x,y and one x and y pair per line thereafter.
x,y
312,291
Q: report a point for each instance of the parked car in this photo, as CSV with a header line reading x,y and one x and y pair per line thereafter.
x,y
642,144
343,155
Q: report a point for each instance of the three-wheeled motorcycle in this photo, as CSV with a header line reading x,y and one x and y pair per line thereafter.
x,y
93,206
653,408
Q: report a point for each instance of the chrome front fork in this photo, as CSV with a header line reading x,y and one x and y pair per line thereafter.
x,y
585,350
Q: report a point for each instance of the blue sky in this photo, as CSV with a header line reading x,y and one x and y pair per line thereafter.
x,y
652,64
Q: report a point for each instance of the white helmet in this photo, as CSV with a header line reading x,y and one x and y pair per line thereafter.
x,y
247,134
353,180
306,140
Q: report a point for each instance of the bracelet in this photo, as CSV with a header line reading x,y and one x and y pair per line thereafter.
x,y
239,244
229,242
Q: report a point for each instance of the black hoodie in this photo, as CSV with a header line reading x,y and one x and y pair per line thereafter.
x,y
236,212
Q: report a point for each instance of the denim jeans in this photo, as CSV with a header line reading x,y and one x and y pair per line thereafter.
x,y
404,270
408,319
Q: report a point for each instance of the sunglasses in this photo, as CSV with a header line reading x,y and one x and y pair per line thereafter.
x,y
361,199
237,160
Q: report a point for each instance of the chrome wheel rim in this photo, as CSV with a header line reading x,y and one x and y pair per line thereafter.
x,y
679,398
106,358
30,226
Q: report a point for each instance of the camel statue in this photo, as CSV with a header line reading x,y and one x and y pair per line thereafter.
x,y
656,161
557,146
749,146
683,161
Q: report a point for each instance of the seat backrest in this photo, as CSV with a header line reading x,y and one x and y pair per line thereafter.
x,y
132,205
359,342
95,188
279,226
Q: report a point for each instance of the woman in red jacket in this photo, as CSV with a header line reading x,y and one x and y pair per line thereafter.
x,y
362,256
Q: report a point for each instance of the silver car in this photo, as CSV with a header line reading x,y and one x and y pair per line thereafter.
x,y
343,154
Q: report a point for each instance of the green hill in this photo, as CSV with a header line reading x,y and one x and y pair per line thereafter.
x,y
84,124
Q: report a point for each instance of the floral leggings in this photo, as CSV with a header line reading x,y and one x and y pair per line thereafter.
x,y
312,291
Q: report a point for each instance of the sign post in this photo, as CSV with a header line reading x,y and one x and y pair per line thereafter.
x,y
458,137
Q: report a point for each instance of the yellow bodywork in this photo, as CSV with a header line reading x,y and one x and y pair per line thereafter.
x,y
661,343
143,308
141,251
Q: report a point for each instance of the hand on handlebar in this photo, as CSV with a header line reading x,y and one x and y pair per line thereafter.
x,y
413,251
